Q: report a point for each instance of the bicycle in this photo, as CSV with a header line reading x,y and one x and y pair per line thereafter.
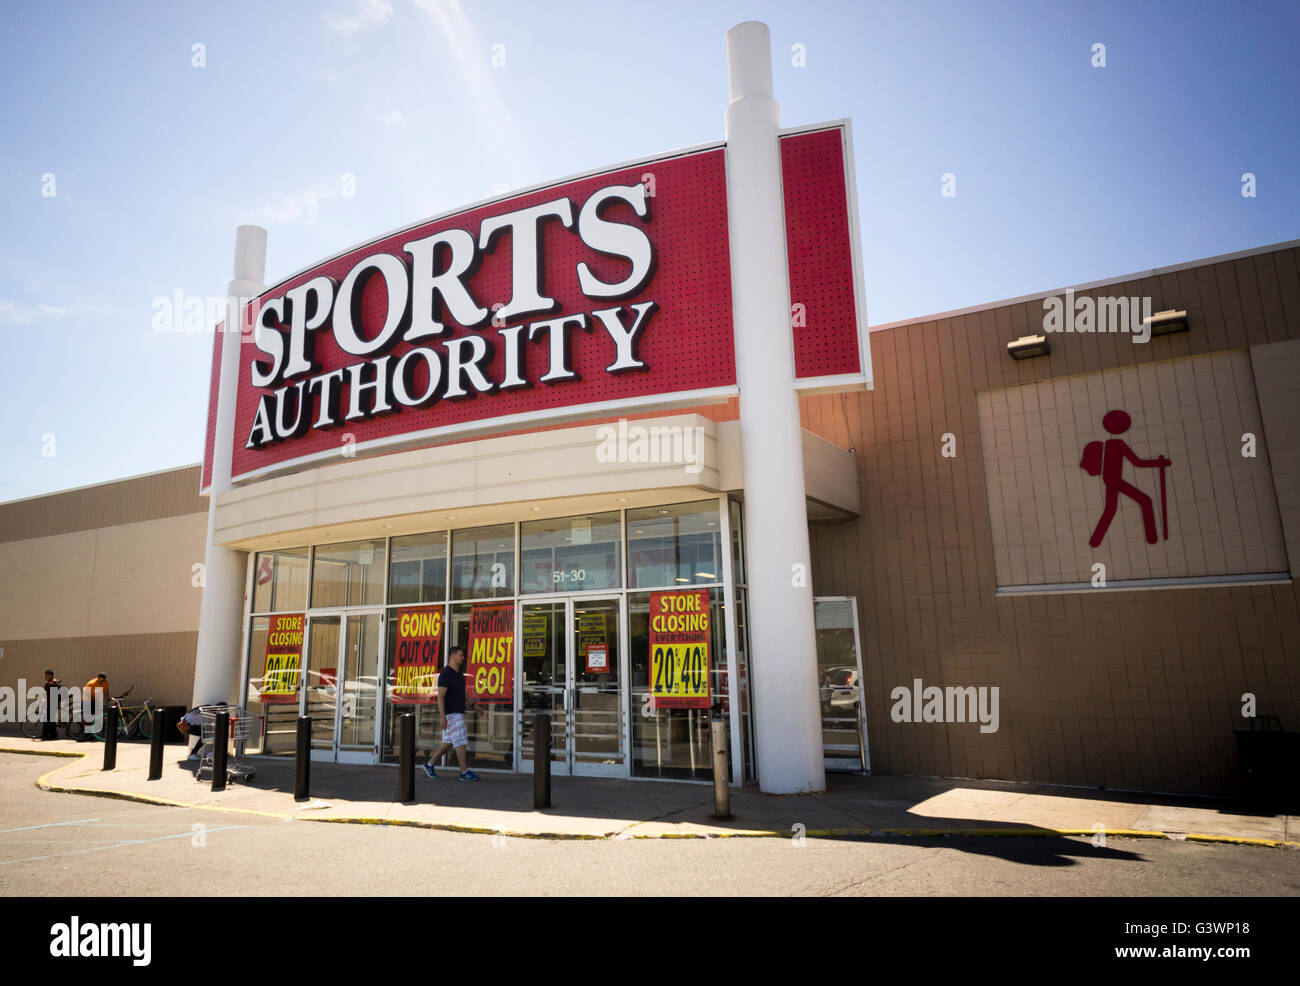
x,y
132,720
72,726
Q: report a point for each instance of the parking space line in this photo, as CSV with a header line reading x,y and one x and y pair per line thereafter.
x,y
118,845
49,825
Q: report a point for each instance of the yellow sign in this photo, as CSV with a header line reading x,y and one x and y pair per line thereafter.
x,y
281,679
283,659
536,630
679,649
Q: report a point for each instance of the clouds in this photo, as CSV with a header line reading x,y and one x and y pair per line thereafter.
x,y
473,62
22,313
389,118
301,206
369,15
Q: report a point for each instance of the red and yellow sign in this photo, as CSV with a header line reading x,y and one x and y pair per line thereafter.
x,y
592,643
679,649
283,659
415,665
490,663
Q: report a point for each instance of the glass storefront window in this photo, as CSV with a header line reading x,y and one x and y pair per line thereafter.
x,y
350,574
280,580
426,714
490,726
674,546
279,716
737,540
570,554
483,562
673,743
418,569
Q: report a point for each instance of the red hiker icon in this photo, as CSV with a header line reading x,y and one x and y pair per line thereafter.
x,y
1106,459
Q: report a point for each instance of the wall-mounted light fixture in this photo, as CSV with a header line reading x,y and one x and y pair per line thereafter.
x,y
1162,323
1027,347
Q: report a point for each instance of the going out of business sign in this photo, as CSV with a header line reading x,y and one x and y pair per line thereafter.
x,y
602,294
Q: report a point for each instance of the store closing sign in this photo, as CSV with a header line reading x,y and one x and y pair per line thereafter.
x,y
490,663
679,649
419,647
283,659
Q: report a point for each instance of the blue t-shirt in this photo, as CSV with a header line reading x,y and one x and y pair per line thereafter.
x,y
454,681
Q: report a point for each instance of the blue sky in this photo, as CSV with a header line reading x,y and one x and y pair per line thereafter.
x,y
1065,173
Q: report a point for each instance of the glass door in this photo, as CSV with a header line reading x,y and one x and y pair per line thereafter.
x,y
359,696
320,684
571,665
544,662
595,692
839,682
341,688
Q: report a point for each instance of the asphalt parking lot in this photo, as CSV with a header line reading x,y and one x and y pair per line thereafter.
x,y
71,845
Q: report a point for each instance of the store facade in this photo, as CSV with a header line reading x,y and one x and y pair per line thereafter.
x,y
569,597
539,428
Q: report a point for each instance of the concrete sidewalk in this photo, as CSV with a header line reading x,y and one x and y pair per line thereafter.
x,y
585,808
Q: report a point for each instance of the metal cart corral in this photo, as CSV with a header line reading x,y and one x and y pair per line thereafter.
x,y
243,727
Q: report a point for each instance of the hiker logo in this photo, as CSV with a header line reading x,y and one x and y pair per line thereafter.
x,y
1106,459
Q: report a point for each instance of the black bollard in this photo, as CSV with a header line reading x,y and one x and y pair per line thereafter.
x,y
542,760
406,766
156,748
302,761
110,738
220,739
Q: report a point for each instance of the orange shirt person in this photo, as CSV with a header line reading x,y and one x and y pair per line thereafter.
x,y
99,684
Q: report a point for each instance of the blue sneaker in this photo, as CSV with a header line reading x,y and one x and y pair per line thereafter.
x,y
469,775
429,771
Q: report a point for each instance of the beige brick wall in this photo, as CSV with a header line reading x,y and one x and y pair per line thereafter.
x,y
1277,375
1129,689
81,593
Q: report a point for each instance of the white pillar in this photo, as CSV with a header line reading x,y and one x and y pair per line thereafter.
x,y
787,713
221,612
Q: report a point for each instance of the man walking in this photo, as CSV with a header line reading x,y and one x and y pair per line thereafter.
x,y
451,714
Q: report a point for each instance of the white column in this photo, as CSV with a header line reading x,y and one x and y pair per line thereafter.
x,y
221,612
787,713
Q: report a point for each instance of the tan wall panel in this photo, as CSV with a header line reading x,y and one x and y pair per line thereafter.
x,y
126,579
1128,689
139,498
159,665
1277,374
1043,507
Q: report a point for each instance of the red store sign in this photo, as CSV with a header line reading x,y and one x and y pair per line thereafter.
x,y
602,295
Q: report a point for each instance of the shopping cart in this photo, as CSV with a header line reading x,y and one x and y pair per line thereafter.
x,y
242,728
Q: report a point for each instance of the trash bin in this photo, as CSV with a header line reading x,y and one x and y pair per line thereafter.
x,y
1269,759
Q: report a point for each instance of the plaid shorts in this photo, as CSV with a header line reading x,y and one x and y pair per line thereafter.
x,y
455,731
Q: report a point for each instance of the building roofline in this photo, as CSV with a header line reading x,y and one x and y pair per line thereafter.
x,y
1137,275
103,482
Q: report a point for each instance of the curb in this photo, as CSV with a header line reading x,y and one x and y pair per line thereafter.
x,y
1014,832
